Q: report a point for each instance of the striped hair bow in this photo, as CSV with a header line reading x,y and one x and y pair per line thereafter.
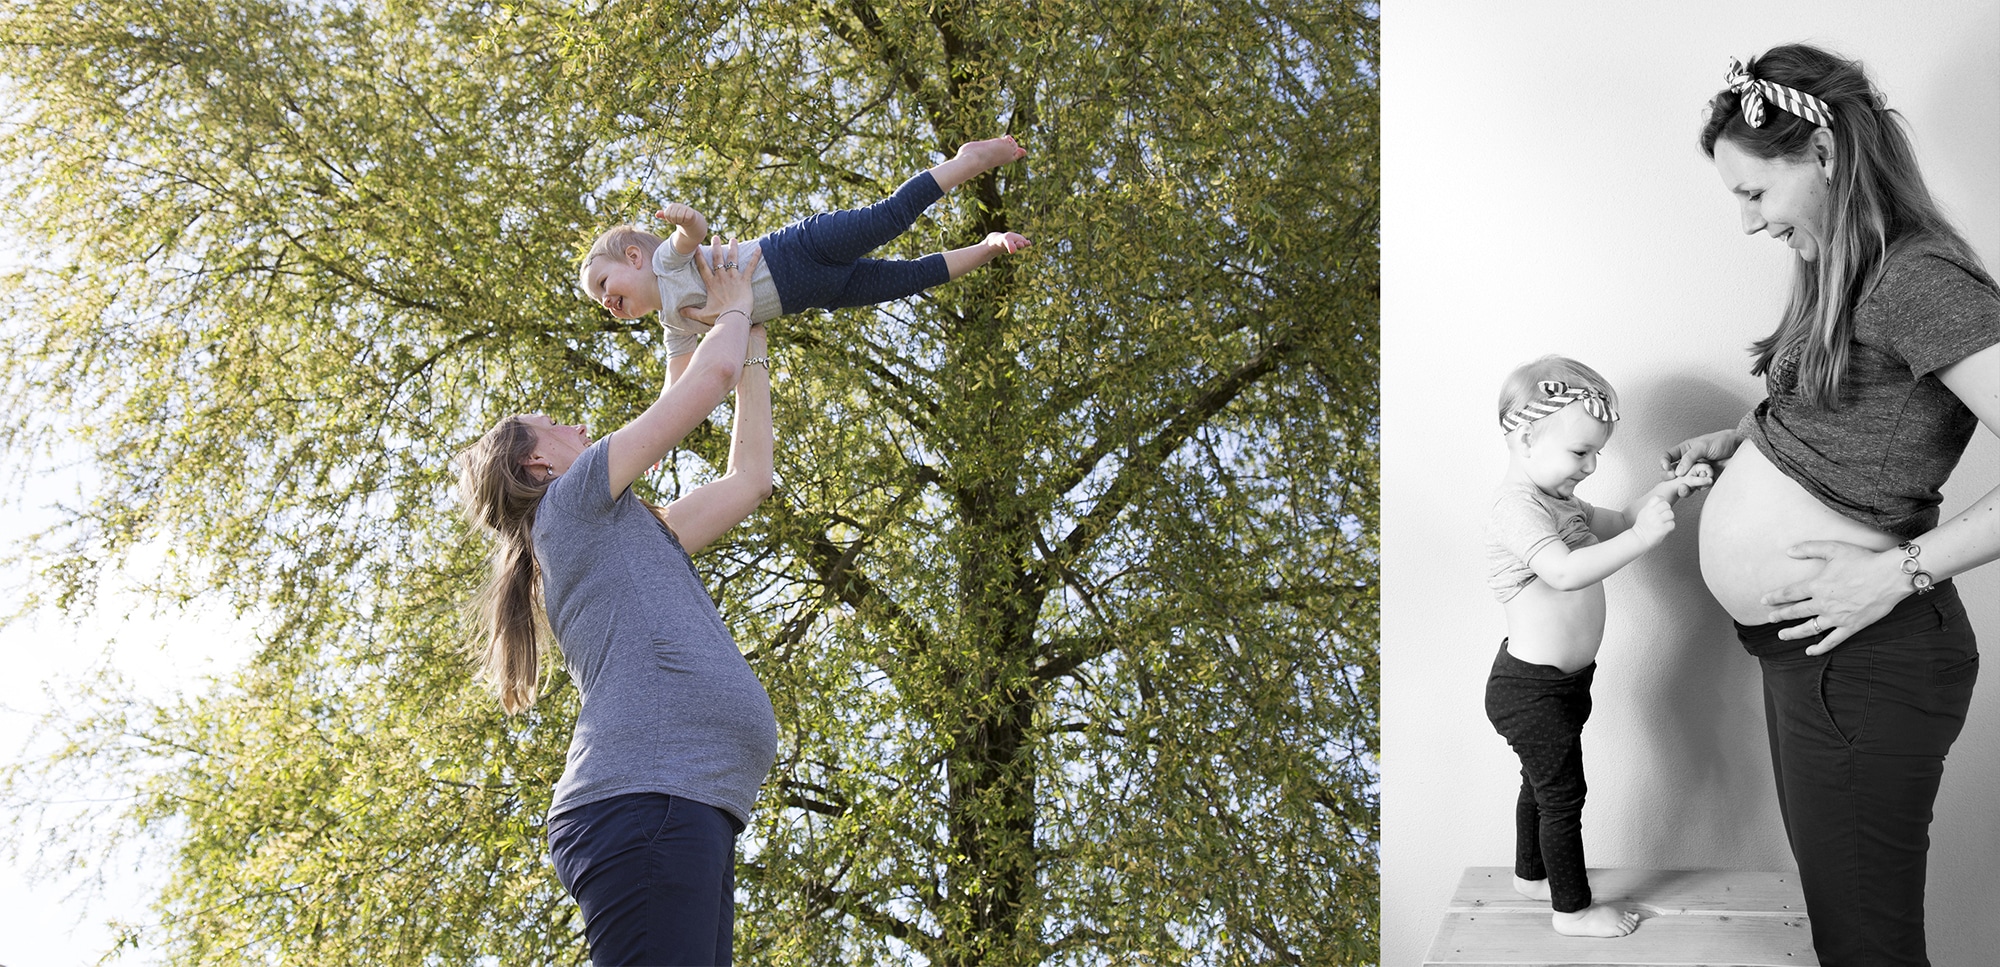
x,y
1557,394
1755,93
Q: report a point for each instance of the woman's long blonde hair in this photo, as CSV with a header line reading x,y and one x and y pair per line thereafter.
x,y
501,497
1877,200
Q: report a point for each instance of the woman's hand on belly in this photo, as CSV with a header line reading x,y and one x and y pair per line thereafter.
x,y
1854,588
1753,524
1712,449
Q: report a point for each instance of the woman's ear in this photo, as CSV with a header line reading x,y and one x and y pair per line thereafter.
x,y
1823,153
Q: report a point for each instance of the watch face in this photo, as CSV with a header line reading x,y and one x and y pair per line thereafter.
x,y
1921,580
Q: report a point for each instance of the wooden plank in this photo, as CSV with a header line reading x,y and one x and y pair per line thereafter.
x,y
1688,917
1656,892
1518,939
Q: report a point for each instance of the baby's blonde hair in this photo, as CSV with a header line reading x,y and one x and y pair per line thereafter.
x,y
612,245
1522,385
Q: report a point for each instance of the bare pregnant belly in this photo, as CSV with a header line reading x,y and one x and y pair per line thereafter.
x,y
1752,515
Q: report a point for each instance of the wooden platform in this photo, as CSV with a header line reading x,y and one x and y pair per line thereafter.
x,y
1688,917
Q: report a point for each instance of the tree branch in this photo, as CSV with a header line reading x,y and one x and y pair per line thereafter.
x,y
1146,459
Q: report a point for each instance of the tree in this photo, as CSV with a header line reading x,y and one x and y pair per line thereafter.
x,y
1066,601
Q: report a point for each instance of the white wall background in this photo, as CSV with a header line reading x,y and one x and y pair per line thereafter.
x,y
1544,192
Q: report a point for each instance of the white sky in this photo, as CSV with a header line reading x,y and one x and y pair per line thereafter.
x,y
164,651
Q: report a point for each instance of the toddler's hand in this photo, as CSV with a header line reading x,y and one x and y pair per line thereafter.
x,y
1655,521
686,218
1007,242
1676,487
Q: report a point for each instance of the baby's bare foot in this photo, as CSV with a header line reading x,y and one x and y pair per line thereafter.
x,y
1596,920
1532,889
1007,242
992,152
975,158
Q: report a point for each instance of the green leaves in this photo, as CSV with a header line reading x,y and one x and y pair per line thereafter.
x,y
1066,601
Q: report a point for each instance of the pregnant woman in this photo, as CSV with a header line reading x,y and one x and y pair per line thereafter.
x,y
675,733
1823,540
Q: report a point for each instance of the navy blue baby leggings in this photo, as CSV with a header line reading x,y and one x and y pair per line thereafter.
x,y
818,263
1540,710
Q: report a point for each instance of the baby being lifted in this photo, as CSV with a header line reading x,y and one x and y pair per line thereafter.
x,y
1548,553
816,263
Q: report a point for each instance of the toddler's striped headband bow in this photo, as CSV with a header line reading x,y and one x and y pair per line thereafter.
x,y
1556,395
1755,92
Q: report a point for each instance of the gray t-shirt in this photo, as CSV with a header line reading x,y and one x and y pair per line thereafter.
x,y
1525,520
669,704
1883,455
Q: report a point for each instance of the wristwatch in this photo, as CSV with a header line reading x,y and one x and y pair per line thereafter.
x,y
1920,579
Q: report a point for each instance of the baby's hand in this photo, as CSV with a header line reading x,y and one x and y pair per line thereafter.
x,y
1007,242
1699,476
1655,521
686,218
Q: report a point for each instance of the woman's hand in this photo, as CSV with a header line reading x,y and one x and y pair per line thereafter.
x,y
727,281
1709,448
1854,590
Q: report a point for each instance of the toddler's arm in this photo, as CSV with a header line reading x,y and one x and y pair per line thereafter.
x,y
1567,570
1606,523
689,227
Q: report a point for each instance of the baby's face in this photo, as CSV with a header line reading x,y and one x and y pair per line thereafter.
x,y
1562,450
625,286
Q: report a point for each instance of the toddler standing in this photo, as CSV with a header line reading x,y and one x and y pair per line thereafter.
x,y
1548,553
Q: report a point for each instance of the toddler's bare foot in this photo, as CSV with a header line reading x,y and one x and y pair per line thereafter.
x,y
992,152
1596,920
975,158
1007,242
1532,889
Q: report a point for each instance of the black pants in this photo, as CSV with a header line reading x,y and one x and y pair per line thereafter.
x,y
1540,710
1858,741
655,876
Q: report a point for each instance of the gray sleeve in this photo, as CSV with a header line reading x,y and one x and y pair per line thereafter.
x,y
1520,525
680,341
583,492
1941,313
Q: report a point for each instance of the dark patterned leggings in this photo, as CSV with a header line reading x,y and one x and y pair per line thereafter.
x,y
818,263
1540,710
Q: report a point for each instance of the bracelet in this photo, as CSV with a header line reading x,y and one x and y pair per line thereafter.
x,y
764,361
1920,579
719,315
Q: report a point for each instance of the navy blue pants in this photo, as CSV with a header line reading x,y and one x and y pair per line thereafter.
x,y
1540,710
818,263
655,876
1858,741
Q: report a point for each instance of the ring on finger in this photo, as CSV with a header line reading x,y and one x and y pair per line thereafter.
x,y
1815,624
729,265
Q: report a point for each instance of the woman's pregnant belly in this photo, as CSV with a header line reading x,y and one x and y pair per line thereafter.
x,y
1752,515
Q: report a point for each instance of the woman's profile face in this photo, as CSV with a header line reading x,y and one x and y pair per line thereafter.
x,y
1786,198
557,444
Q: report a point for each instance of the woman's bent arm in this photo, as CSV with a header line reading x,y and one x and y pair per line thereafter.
x,y
711,371
707,511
